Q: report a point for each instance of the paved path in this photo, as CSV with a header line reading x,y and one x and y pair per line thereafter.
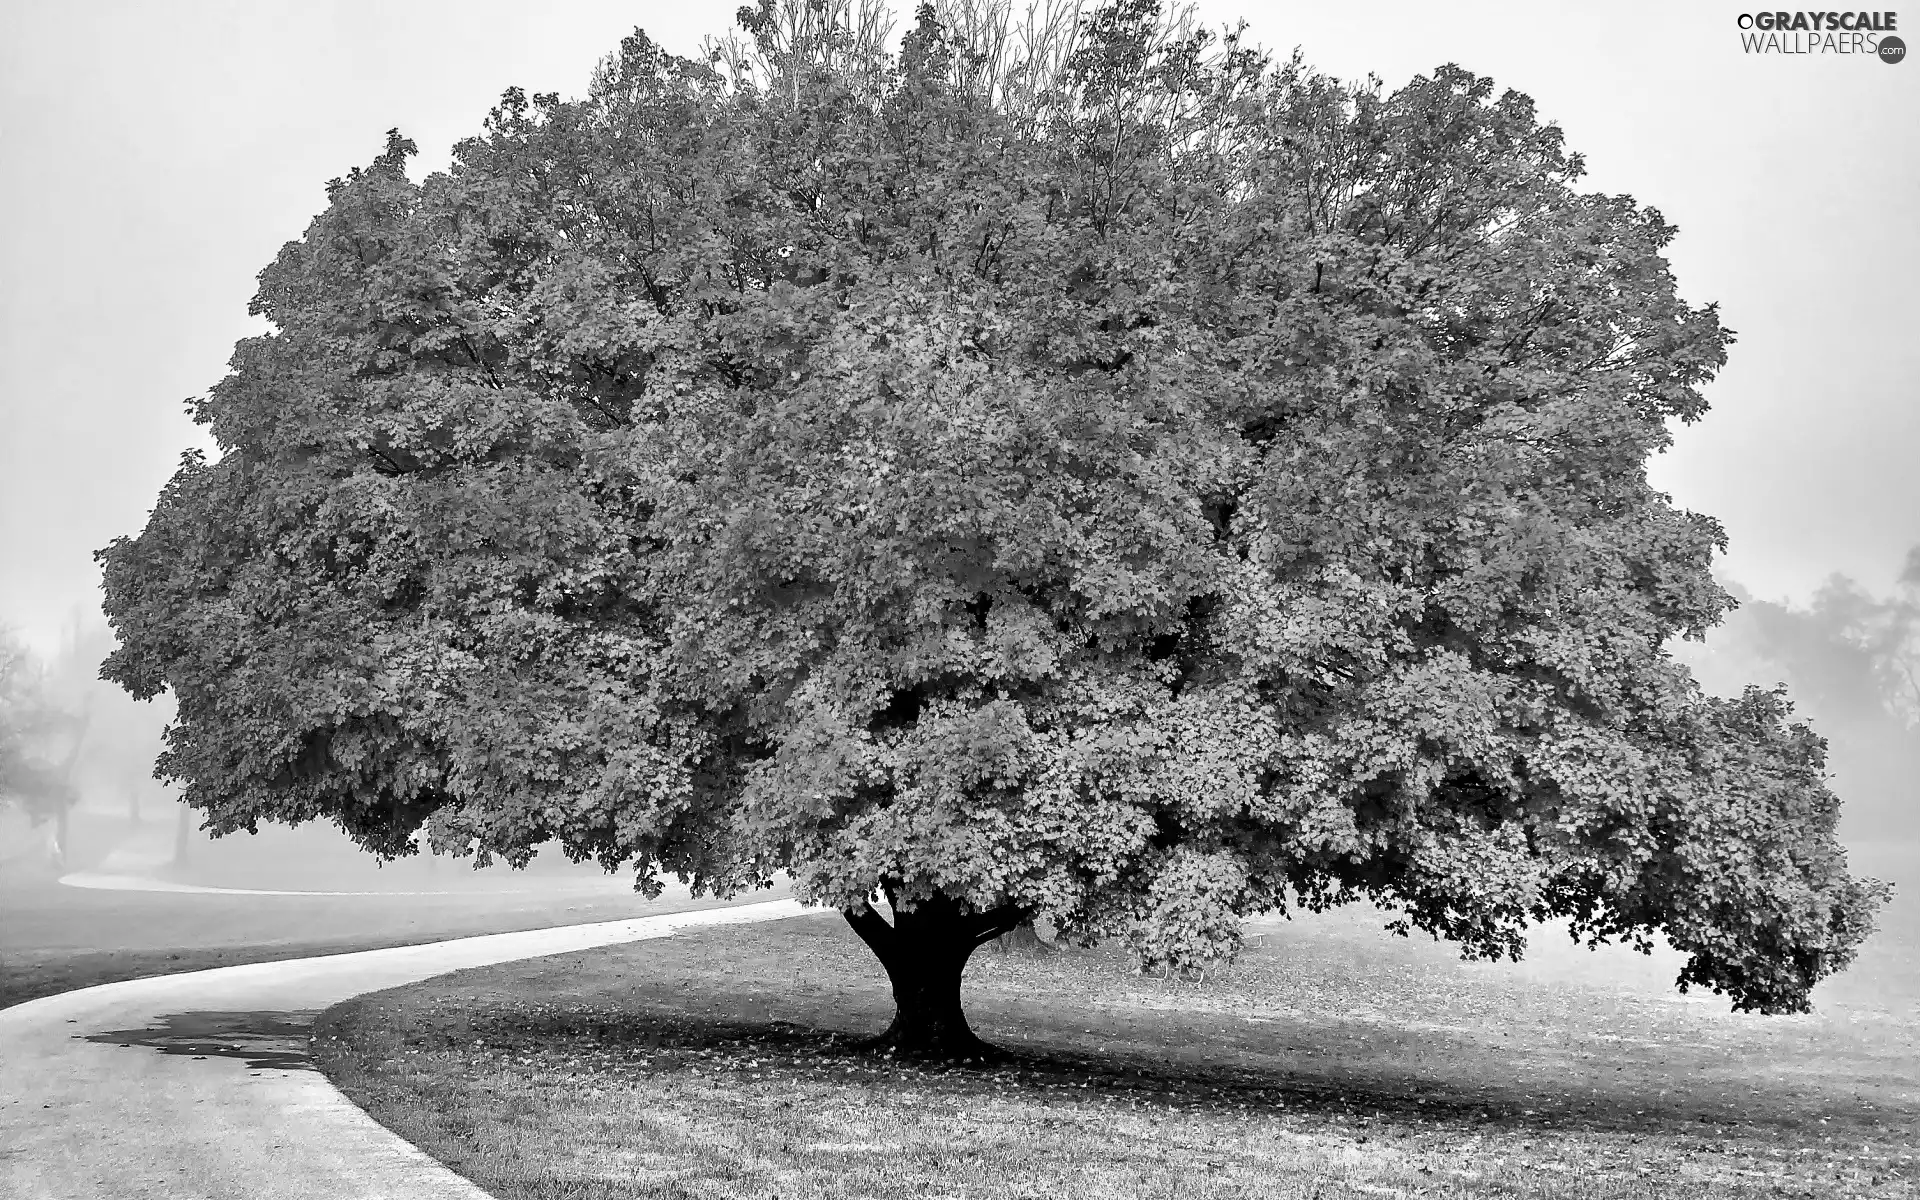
x,y
196,1086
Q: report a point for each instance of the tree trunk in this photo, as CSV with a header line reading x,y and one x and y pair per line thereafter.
x,y
63,848
59,851
925,952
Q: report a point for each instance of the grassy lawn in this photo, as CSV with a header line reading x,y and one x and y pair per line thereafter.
x,y
1332,1061
55,939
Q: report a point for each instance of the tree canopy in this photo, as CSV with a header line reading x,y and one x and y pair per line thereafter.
x,y
1092,471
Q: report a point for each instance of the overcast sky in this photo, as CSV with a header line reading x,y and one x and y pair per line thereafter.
x,y
153,157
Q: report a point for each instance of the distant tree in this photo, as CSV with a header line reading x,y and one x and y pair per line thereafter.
x,y
122,736
1851,651
1888,629
1091,473
39,740
1852,660
84,737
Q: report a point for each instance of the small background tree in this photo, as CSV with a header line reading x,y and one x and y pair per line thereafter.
x,y
1852,660
1076,469
39,744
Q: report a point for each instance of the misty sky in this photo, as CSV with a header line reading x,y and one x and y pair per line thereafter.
x,y
153,157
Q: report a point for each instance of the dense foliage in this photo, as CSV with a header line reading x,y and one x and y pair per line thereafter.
x,y
1120,479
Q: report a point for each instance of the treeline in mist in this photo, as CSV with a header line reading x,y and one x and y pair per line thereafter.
x,y
1851,664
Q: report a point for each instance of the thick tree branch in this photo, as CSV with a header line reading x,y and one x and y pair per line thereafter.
x,y
873,929
998,923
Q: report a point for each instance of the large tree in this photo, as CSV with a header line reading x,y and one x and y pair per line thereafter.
x,y
1098,474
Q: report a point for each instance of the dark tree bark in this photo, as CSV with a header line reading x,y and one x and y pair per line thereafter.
x,y
925,951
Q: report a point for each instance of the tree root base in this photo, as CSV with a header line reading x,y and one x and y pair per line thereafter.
x,y
950,1052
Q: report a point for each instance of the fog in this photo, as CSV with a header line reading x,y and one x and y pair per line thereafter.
x,y
1850,660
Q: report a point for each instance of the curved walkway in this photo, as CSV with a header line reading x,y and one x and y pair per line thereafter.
x,y
198,1086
